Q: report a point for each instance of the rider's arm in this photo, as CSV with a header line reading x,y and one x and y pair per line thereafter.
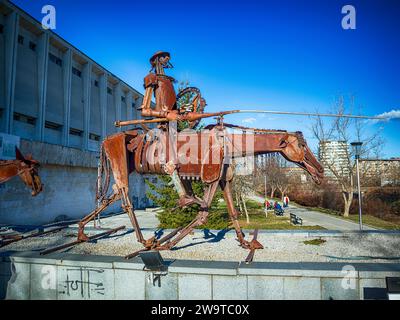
x,y
150,82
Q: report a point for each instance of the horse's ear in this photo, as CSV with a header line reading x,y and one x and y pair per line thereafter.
x,y
18,154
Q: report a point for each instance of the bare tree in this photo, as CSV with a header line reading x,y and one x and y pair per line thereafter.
x,y
283,183
243,186
345,130
273,171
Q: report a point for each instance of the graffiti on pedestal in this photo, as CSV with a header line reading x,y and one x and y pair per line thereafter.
x,y
83,282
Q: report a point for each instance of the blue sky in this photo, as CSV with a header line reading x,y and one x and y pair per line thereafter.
x,y
273,55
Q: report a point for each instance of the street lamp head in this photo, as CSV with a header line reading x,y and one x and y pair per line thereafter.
x,y
356,148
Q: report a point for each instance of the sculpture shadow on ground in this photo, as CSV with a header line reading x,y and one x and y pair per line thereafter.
x,y
207,235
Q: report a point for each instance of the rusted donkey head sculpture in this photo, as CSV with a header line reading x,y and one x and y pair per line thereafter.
x,y
25,167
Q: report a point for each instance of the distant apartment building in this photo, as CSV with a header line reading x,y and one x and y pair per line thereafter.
x,y
381,171
334,156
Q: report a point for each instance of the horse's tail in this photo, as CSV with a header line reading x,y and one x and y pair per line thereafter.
x,y
103,176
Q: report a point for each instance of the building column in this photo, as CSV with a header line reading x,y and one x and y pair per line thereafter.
x,y
43,58
67,79
136,112
129,111
11,42
117,101
87,89
103,104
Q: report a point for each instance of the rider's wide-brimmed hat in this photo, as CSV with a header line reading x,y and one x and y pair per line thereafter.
x,y
157,55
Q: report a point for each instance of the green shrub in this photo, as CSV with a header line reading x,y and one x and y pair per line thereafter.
x,y
164,195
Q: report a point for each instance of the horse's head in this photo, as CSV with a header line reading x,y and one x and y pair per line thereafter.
x,y
28,171
295,149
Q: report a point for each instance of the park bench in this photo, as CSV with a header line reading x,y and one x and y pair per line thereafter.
x,y
295,219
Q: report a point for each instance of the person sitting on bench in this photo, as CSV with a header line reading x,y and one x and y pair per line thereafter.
x,y
278,209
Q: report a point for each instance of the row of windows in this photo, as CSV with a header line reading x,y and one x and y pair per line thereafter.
x,y
72,131
51,125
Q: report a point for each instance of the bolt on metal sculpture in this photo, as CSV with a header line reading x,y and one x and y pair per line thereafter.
x,y
185,156
24,167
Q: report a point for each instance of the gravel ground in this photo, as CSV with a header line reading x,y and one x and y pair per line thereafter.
x,y
278,247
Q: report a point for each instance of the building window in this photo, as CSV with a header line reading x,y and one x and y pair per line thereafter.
x,y
109,90
52,125
122,98
20,39
1,28
94,137
96,83
32,46
75,132
55,59
76,72
24,118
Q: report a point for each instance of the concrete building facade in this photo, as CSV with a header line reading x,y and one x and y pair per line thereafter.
x,y
381,172
55,99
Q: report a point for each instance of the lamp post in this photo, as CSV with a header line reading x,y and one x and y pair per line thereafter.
x,y
357,150
265,187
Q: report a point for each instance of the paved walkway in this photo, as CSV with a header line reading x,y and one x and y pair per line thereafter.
x,y
148,219
311,217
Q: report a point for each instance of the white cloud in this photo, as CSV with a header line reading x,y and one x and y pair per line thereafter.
x,y
394,114
391,114
249,120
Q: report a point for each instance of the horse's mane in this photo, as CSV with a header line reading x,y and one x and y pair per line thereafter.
x,y
233,126
8,162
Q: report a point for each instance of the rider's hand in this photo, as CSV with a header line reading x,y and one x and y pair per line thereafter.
x,y
173,116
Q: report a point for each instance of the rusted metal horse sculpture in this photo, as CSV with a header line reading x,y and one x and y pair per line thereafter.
x,y
155,152
24,167
184,156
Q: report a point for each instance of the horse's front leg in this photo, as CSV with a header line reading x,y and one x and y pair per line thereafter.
x,y
105,203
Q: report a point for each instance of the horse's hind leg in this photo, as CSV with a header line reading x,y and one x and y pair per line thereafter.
x,y
115,148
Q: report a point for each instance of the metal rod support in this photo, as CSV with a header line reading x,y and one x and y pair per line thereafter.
x,y
359,196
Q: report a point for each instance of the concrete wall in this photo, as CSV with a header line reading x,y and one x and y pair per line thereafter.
x,y
31,276
69,178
